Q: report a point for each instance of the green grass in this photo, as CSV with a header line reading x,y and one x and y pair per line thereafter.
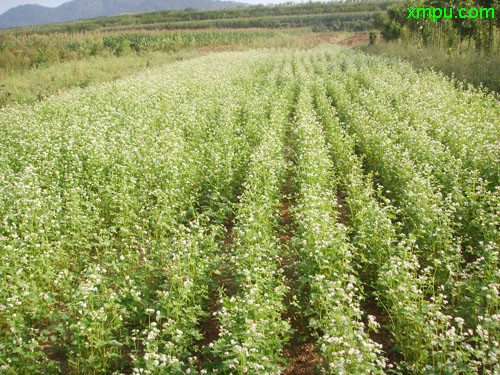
x,y
36,84
468,66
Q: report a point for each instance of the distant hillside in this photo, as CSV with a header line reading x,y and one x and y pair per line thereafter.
x,y
28,15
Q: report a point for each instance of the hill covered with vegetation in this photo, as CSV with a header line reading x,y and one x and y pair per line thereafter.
x,y
272,16
32,14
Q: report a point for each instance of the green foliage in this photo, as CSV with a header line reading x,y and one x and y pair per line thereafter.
x,y
450,29
23,52
137,213
470,67
355,21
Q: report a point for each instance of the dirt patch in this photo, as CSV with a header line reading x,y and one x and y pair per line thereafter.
x,y
383,336
210,330
355,40
210,327
55,353
343,208
304,359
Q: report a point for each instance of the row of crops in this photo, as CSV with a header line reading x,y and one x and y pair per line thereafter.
x,y
169,41
142,221
34,51
352,21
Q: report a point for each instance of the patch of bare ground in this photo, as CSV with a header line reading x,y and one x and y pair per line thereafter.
x,y
343,208
383,336
301,352
355,40
53,352
54,349
210,327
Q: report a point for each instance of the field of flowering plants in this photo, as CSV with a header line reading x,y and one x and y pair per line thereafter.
x,y
260,212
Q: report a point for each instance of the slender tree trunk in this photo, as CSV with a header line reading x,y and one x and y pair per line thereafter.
x,y
440,34
490,34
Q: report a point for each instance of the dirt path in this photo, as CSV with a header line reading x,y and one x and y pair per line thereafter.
x,y
210,327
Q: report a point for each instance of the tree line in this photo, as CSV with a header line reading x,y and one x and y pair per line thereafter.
x,y
459,30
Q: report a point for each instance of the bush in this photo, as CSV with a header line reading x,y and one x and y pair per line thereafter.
x,y
391,30
319,28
